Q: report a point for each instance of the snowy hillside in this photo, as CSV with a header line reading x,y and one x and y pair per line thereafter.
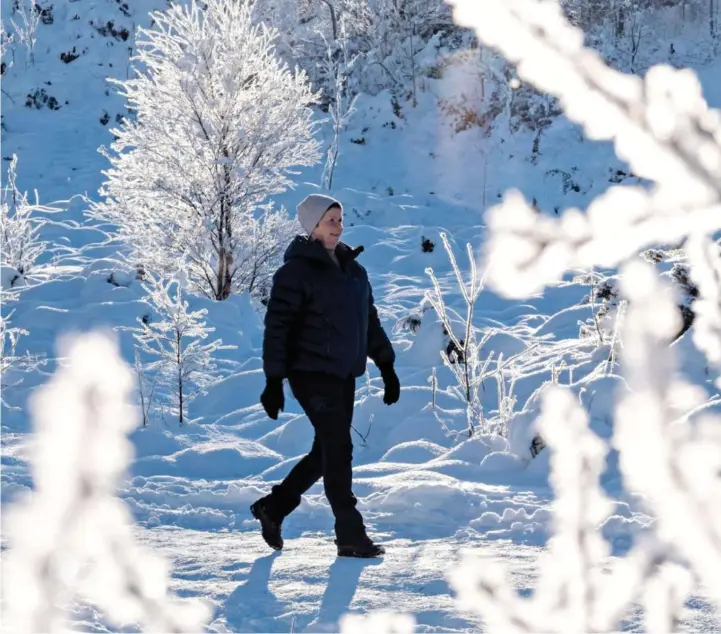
x,y
406,175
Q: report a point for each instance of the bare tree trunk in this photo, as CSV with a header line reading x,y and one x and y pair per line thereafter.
x,y
333,20
620,21
180,376
224,277
712,17
413,68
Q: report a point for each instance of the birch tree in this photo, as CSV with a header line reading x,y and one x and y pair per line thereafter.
x,y
220,124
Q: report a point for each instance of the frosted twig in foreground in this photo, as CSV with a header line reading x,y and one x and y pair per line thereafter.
x,y
705,259
72,536
674,465
569,596
661,125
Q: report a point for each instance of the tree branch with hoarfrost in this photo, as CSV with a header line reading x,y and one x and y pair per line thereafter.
x,y
660,124
220,124
673,463
336,68
73,538
705,258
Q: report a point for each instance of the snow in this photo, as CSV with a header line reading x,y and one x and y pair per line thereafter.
x,y
425,489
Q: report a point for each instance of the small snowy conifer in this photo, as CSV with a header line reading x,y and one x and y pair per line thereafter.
x,y
184,364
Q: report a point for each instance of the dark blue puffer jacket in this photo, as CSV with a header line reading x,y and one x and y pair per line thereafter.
x,y
322,318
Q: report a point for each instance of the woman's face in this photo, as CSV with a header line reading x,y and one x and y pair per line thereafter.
x,y
330,228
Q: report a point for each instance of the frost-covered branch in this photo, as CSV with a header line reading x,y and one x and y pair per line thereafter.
x,y
145,386
705,259
566,597
664,115
675,465
669,448
336,67
7,43
72,537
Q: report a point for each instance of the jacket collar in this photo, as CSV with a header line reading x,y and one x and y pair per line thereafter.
x,y
303,247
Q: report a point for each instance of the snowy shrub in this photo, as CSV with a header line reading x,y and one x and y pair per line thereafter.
x,y
220,123
12,363
464,360
184,365
7,44
20,246
145,385
26,27
72,538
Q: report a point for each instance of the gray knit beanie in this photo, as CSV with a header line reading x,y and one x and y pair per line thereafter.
x,y
312,209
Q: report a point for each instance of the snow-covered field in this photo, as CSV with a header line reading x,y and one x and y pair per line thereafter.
x,y
425,489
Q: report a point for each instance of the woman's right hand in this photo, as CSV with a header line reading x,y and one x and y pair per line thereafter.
x,y
272,398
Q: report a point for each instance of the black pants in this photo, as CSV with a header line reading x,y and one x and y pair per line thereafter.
x,y
328,402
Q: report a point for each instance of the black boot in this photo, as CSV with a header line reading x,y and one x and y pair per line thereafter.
x,y
363,548
270,529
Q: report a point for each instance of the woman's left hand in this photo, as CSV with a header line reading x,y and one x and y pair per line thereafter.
x,y
391,383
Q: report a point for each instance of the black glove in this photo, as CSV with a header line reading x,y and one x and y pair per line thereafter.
x,y
272,398
391,383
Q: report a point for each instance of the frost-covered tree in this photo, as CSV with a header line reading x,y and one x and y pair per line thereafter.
x,y
72,538
401,30
219,124
183,364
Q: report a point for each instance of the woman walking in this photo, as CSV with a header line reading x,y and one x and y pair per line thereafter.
x,y
320,328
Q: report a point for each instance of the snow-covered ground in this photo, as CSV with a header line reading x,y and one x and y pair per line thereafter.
x,y
425,489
